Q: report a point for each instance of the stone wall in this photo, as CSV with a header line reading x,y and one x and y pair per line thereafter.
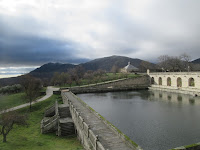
x,y
137,83
84,133
195,146
176,81
89,140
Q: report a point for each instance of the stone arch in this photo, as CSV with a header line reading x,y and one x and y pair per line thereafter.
x,y
152,80
191,82
169,81
179,82
160,81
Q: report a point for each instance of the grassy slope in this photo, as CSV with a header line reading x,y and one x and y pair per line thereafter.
x,y
12,100
8,101
109,77
23,138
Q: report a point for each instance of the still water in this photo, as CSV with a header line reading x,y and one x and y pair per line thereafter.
x,y
154,120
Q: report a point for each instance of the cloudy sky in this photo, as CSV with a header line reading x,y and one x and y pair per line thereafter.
x,y
34,32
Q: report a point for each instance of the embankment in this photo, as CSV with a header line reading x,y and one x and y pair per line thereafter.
x,y
137,83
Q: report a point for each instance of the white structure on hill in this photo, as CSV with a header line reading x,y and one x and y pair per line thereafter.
x,y
130,68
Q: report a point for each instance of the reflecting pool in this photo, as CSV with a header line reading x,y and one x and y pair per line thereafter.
x,y
155,120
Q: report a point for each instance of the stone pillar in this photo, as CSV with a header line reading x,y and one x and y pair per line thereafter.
x,y
148,71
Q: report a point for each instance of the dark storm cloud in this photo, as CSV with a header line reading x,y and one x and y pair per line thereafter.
x,y
20,49
34,50
35,32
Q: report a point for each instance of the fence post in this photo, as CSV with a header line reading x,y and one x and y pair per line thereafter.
x,y
96,142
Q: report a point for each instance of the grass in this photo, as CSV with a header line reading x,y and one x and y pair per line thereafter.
x,y
104,78
30,138
43,89
11,100
192,146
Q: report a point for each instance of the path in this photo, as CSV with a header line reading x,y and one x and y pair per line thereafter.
x,y
109,139
49,93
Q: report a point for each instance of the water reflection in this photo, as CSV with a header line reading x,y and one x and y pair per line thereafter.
x,y
155,120
173,97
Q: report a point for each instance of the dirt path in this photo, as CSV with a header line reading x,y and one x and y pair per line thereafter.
x,y
49,93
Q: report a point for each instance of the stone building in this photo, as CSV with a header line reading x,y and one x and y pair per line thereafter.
x,y
129,68
181,82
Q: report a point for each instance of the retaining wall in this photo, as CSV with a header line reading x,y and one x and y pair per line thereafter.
x,y
137,83
189,147
85,134
87,137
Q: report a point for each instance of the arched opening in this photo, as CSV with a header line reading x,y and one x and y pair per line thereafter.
x,y
179,82
152,80
191,82
160,81
169,81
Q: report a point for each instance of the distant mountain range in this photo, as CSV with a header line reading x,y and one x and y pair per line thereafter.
x,y
105,63
46,71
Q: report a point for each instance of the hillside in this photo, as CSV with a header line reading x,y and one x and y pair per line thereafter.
x,y
46,71
53,67
107,63
196,61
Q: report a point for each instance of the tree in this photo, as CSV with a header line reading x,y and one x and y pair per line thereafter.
x,y
163,61
174,63
144,65
7,121
186,61
32,87
115,69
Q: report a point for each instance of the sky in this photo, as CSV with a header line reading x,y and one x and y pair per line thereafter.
x,y
35,32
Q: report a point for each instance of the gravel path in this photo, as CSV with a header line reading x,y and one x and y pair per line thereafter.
x,y
49,93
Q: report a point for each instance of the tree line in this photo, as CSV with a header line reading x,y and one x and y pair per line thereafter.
x,y
176,63
78,76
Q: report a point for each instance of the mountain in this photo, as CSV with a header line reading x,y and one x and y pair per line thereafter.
x,y
53,67
196,61
107,63
46,71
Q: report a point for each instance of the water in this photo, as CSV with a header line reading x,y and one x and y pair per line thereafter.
x,y
154,120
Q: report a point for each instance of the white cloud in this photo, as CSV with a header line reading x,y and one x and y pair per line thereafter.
x,y
135,28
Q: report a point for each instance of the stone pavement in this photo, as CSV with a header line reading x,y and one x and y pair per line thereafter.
x,y
49,93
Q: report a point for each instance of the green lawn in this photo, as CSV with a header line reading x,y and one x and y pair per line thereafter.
x,y
104,78
30,138
11,100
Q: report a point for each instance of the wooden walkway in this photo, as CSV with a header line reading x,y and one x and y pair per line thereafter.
x,y
108,137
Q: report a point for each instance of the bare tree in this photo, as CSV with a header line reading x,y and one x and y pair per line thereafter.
x,y
7,121
115,69
174,63
32,87
163,61
144,65
186,61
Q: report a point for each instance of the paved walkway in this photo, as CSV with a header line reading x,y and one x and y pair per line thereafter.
x,y
109,139
49,93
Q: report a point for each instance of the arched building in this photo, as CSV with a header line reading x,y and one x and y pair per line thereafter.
x,y
182,82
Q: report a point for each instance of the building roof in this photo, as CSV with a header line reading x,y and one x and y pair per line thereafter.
x,y
130,67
